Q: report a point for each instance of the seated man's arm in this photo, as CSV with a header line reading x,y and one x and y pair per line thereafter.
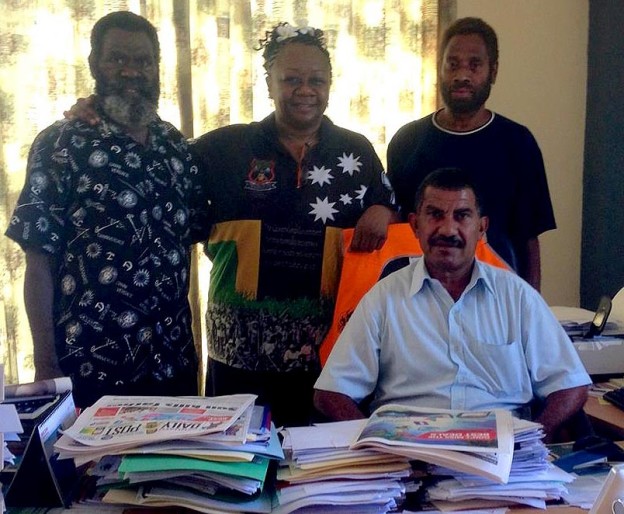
x,y
559,379
349,378
336,406
559,407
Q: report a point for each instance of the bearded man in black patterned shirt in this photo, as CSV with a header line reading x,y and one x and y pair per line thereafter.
x,y
106,218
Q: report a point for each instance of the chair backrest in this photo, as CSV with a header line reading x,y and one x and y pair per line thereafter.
x,y
617,307
361,270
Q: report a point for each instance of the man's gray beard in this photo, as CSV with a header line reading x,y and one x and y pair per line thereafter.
x,y
136,114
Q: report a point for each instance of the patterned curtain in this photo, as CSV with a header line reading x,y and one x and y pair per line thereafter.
x,y
383,58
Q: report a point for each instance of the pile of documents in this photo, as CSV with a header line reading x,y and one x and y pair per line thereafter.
x,y
322,474
208,454
480,456
533,479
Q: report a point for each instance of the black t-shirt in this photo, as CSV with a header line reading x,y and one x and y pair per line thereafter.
x,y
506,163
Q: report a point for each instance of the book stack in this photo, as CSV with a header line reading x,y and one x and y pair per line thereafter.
x,y
322,474
533,479
206,454
480,458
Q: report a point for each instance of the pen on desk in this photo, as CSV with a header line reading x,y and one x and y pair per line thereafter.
x,y
599,389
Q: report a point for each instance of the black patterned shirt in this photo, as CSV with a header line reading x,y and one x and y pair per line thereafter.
x,y
118,218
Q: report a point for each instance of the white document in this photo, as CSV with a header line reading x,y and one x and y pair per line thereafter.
x,y
322,436
9,419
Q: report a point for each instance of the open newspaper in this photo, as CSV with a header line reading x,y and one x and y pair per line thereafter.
x,y
123,421
478,442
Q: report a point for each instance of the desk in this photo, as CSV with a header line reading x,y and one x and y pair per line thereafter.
x,y
606,419
92,509
554,509
551,509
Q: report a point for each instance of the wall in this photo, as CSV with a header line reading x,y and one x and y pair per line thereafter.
x,y
542,84
602,268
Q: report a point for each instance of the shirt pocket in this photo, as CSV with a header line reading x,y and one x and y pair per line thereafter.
x,y
499,369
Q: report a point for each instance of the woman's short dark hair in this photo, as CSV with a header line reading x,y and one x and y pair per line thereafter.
x,y
124,20
284,34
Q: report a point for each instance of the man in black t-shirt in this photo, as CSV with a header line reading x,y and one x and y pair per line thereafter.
x,y
502,155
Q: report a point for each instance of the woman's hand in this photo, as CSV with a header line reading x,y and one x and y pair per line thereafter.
x,y
371,229
84,110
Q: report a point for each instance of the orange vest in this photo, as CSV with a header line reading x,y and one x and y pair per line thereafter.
x,y
361,270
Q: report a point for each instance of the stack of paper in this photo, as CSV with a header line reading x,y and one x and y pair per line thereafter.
x,y
322,474
207,454
490,455
468,441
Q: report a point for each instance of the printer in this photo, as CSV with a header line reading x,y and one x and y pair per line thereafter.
x,y
602,354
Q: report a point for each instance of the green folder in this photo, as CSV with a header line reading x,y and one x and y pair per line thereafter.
x,y
256,469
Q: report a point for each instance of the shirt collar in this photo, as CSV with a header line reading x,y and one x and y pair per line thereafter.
x,y
421,275
269,130
458,133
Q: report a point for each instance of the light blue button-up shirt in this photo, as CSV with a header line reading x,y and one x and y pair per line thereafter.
x,y
408,342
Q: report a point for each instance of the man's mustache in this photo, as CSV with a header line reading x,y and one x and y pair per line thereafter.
x,y
464,84
447,241
139,84
146,89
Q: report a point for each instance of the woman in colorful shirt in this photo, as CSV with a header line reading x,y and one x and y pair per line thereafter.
x,y
282,190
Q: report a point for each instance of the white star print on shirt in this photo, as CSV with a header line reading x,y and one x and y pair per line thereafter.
x,y
346,199
323,210
320,175
361,192
349,164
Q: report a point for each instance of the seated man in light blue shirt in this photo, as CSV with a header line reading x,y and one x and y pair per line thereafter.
x,y
448,331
